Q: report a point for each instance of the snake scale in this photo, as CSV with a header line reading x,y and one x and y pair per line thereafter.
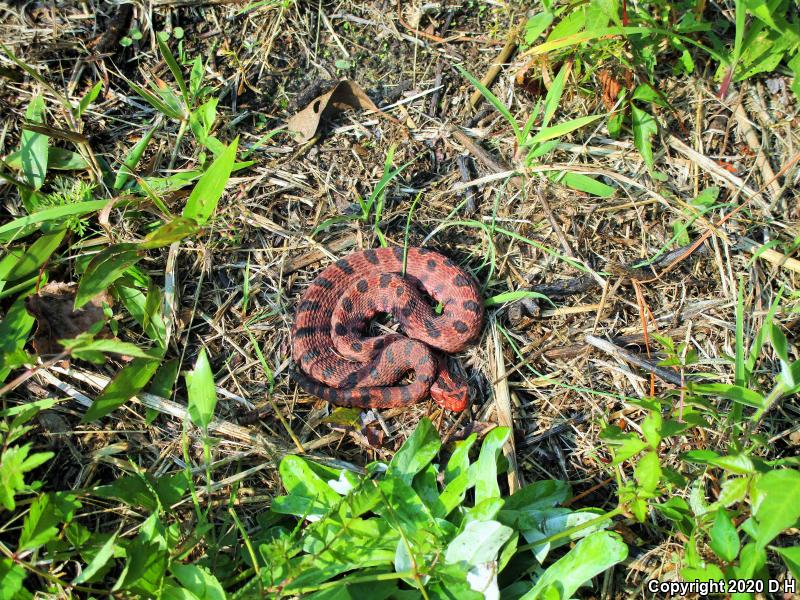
x,y
339,362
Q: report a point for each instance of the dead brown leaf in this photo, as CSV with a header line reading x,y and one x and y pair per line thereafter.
x,y
55,318
345,94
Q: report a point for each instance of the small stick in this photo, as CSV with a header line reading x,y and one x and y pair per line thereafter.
x,y
633,358
463,169
508,49
554,223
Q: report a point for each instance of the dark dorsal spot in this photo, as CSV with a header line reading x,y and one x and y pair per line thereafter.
x,y
406,310
431,264
389,356
308,305
449,262
340,329
460,326
461,280
386,394
431,328
400,290
356,346
347,304
350,380
371,306
344,265
472,306
310,355
385,280
398,253
328,372
371,256
323,283
374,373
333,395
304,332
362,286
379,344
424,378
426,358
424,251
405,394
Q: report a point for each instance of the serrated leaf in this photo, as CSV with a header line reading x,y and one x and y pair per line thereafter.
x,y
40,525
11,575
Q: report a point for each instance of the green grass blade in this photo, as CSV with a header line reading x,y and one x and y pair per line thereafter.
x,y
206,193
556,131
494,101
175,68
27,225
33,147
133,158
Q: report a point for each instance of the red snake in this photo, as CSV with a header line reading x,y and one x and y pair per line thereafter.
x,y
339,363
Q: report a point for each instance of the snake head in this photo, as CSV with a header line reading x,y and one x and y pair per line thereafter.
x,y
449,392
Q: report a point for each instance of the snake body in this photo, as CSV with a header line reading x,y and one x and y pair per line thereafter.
x,y
340,363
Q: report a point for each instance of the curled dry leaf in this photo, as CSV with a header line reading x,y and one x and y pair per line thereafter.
x,y
610,88
345,94
55,318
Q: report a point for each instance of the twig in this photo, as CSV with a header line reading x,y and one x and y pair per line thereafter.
x,y
633,358
508,49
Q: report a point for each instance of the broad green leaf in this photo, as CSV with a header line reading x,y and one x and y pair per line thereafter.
x,y
33,146
40,525
554,94
14,330
172,231
417,452
651,428
58,159
303,478
535,26
538,525
485,469
478,543
98,561
644,128
624,445
203,200
136,303
88,98
459,459
28,224
539,495
36,255
584,183
556,131
110,346
736,393
201,391
145,491
775,505
590,556
723,538
11,575
407,513
648,471
199,581
144,568
132,160
791,556
104,269
125,384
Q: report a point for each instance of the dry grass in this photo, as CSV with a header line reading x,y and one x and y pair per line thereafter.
x,y
556,390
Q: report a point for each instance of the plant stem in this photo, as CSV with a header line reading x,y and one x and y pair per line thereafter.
x,y
568,532
178,140
362,579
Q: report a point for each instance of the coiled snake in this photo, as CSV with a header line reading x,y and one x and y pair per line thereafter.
x,y
339,363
